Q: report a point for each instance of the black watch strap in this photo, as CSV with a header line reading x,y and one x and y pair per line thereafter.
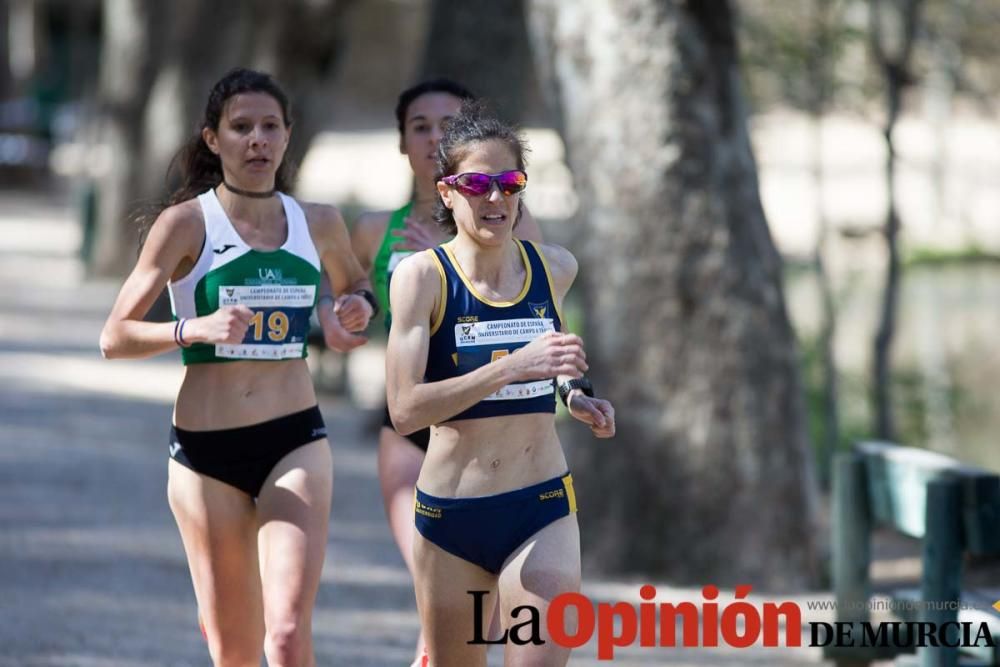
x,y
367,295
583,384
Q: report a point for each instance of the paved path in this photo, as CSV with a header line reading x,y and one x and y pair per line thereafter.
x,y
91,567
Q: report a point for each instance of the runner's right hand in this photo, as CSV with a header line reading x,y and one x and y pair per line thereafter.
x,y
549,355
228,326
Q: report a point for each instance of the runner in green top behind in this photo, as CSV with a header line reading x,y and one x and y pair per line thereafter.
x,y
380,240
390,250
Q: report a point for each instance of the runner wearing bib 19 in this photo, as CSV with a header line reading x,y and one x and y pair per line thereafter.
x,y
250,469
279,286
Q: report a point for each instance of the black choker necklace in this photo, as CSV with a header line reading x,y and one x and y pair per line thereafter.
x,y
249,193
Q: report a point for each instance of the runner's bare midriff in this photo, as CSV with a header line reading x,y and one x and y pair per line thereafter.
x,y
482,457
240,393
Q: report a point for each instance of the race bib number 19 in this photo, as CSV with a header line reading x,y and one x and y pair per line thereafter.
x,y
280,320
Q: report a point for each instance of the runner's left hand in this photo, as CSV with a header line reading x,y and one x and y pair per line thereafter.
x,y
335,335
353,311
596,412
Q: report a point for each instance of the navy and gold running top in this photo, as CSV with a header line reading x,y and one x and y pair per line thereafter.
x,y
471,331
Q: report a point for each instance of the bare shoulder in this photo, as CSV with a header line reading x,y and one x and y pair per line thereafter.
x,y
179,226
417,268
415,289
367,233
323,219
372,223
184,216
562,263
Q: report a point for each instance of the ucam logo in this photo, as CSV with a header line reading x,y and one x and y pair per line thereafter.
x,y
269,275
465,334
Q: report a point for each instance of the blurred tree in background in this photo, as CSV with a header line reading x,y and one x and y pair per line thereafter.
x,y
874,61
794,59
158,63
895,26
484,44
686,325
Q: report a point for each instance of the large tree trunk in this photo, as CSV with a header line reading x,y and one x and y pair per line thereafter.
x,y
710,478
126,78
311,44
484,44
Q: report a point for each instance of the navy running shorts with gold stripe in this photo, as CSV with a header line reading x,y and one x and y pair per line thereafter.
x,y
486,530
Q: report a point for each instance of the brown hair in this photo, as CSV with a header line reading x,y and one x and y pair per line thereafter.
x,y
195,168
473,125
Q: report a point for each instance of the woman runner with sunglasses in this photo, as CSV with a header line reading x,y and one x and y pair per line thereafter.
x,y
250,473
380,240
473,351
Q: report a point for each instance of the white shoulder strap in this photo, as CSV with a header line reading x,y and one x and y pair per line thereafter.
x,y
299,240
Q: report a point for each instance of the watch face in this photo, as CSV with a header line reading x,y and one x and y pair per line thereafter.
x,y
564,390
579,383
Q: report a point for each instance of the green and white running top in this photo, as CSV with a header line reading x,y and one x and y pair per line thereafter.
x,y
279,286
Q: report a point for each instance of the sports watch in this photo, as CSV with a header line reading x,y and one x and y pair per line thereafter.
x,y
583,384
370,298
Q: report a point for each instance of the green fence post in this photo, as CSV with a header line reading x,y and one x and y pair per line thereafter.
x,y
942,575
851,546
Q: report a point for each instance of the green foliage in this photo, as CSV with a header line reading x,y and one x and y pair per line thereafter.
x,y
960,40
813,55
852,423
909,406
971,254
806,55
909,392
574,321
572,311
